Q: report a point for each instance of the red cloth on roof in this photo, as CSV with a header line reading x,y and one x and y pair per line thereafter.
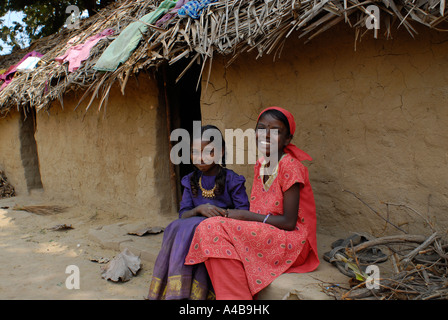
x,y
77,54
9,74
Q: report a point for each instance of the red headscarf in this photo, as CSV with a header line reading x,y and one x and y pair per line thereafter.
x,y
290,148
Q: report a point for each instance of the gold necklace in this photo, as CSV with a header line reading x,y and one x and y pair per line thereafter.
x,y
207,193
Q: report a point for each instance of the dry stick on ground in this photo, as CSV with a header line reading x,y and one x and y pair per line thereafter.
x,y
413,210
406,259
420,265
390,240
413,279
373,210
41,209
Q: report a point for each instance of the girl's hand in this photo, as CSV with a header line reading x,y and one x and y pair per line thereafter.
x,y
208,210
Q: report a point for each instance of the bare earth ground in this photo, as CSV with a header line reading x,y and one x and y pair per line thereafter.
x,y
34,259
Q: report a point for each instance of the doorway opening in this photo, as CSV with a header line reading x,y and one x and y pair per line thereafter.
x,y
183,103
28,149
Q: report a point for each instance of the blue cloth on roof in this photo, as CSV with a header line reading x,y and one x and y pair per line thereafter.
x,y
194,8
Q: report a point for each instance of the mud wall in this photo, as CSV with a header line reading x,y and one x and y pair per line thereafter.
x,y
374,120
10,157
114,160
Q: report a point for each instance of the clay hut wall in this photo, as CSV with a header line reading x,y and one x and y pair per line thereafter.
x,y
10,156
116,160
374,120
371,112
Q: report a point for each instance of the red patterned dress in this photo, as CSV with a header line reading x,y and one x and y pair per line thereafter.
x,y
265,251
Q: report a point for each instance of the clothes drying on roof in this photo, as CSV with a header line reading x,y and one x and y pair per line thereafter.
x,y
29,64
172,13
122,47
9,74
75,55
194,8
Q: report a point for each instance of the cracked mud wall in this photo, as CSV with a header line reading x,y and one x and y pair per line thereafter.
x,y
375,121
117,161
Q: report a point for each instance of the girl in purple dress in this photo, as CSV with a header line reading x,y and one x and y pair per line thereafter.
x,y
208,191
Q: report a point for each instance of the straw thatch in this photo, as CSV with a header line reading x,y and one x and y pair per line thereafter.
x,y
226,27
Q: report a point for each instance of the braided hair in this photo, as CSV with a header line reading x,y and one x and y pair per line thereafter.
x,y
220,179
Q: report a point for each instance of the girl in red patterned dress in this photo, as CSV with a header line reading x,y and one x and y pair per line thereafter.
x,y
246,250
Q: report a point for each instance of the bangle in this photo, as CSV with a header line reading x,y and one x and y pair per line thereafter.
x,y
227,213
264,221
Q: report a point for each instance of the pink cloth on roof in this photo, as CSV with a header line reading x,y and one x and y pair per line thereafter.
x,y
9,74
77,54
171,13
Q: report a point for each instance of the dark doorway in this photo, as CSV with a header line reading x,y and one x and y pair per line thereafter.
x,y
183,101
28,149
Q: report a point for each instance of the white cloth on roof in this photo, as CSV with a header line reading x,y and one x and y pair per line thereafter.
x,y
29,64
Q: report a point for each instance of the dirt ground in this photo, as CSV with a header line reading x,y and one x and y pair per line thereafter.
x,y
34,259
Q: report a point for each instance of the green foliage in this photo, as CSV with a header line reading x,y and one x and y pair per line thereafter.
x,y
42,17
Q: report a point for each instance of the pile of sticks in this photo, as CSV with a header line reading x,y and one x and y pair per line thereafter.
x,y
419,269
6,189
43,210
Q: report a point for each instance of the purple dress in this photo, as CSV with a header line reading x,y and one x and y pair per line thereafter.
x,y
172,279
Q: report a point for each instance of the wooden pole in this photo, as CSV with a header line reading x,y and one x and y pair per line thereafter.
x,y
173,180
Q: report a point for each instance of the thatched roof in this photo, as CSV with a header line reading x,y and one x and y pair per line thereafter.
x,y
226,27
